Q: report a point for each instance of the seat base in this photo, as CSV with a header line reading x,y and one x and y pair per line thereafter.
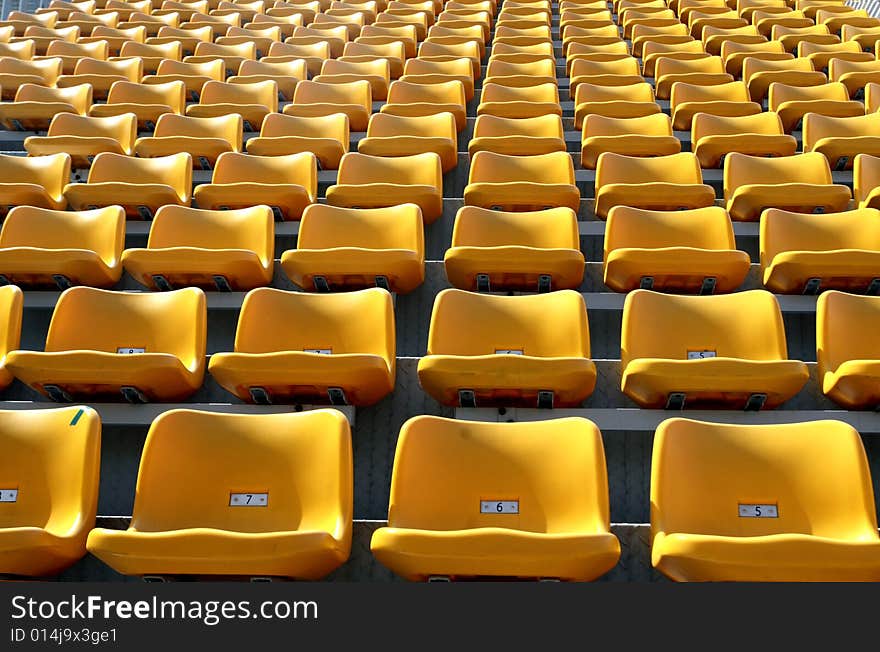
x,y
515,268
676,269
350,268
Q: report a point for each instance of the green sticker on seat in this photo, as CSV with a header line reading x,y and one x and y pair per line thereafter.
x,y
76,417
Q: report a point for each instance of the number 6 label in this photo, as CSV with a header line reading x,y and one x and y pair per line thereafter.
x,y
499,507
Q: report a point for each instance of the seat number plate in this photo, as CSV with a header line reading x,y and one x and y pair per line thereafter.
x,y
130,350
508,351
319,351
758,511
696,355
248,500
499,507
8,495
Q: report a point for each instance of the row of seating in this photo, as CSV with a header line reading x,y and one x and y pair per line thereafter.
x,y
521,500
483,350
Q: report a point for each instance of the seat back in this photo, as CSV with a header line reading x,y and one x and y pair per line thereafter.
x,y
706,124
356,92
296,69
174,171
637,228
779,93
171,94
264,93
333,126
172,50
121,128
297,169
213,69
735,91
844,327
469,324
52,459
543,126
818,127
96,50
131,69
79,96
52,172
552,168
226,127
816,474
670,326
49,70
540,93
682,168
418,169
657,124
641,92
439,125
446,469
783,231
742,170
303,461
402,92
553,228
330,227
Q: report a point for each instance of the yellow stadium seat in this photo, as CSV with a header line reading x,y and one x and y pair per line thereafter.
x,y
714,37
140,186
286,75
673,182
759,74
15,73
541,530
49,475
394,53
652,52
619,72
734,54
698,20
43,247
731,99
147,101
378,181
871,93
84,137
295,470
766,21
193,75
518,183
791,37
204,139
788,509
421,71
328,358
841,139
866,37
649,135
334,35
669,34
11,303
151,54
518,136
713,137
225,250
800,183
286,183
144,346
523,251
253,102
822,54
262,38
847,360
414,99
33,181
35,106
376,72
188,38
101,75
327,137
852,74
746,8
42,37
803,253
382,34
516,102
350,248
706,71
792,103
866,181
691,251
24,50
682,351
508,73
494,350
392,135
71,53
313,98
614,101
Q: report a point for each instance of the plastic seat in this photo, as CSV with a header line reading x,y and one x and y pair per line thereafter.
x,y
376,72
734,54
24,50
691,251
313,54
766,22
382,34
286,183
188,38
759,74
35,106
518,183
866,37
714,37
84,137
412,99
193,75
649,135
71,53
14,73
614,101
262,38
822,54
496,350
792,103
730,99
619,72
204,139
146,101
516,102
713,137
42,247
225,250
142,346
847,360
841,139
51,458
670,33
151,54
377,182
101,75
872,97
806,254
652,52
391,135
421,71
866,181
349,248
285,75
328,357
684,351
673,182
818,513
525,251
42,37
706,71
297,467
140,186
552,533
253,102
327,137
508,73
791,37
231,55
518,136
33,181
852,74
801,183
319,99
